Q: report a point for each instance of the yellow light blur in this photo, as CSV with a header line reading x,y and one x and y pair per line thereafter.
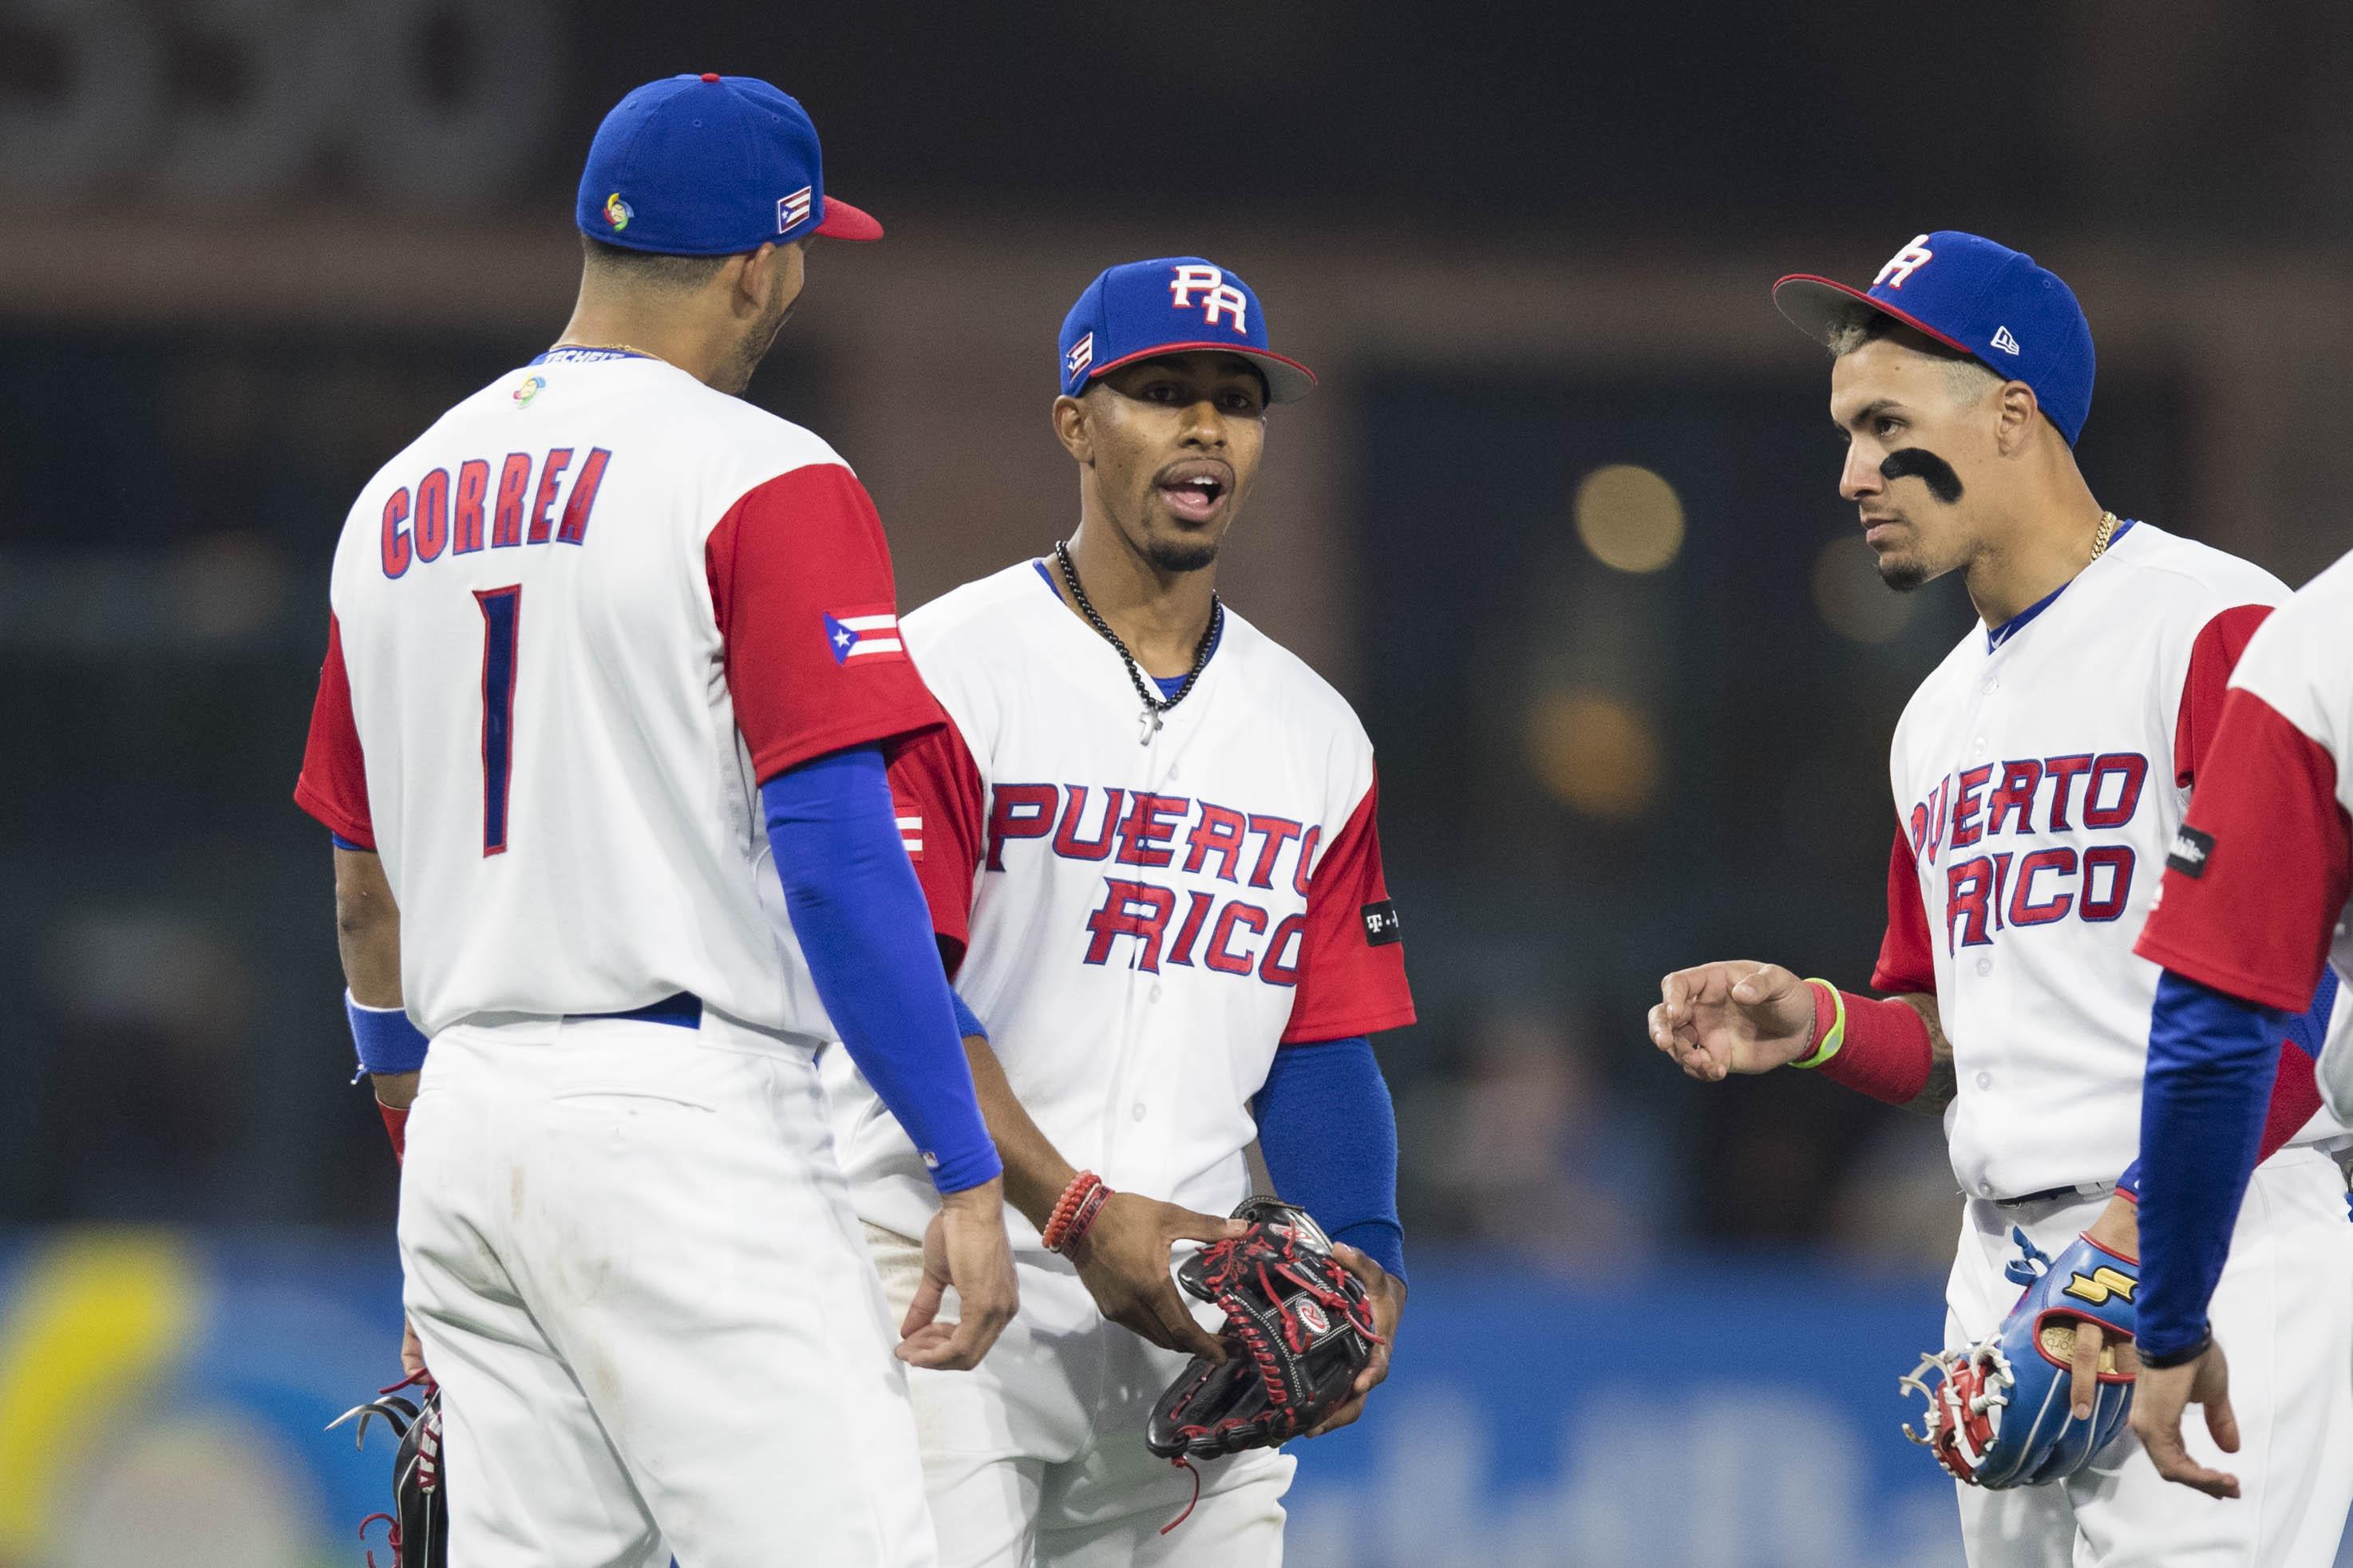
x,y
1629,517
1594,753
1851,598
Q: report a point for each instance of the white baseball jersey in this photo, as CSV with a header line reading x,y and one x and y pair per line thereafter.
x,y
574,623
2040,774
2259,888
1139,924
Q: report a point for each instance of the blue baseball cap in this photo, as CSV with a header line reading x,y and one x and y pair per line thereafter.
x,y
1984,300
1174,305
709,165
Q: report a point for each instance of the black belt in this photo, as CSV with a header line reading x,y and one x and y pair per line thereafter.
x,y
2082,1191
684,1010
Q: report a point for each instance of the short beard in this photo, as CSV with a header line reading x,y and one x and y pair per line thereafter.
x,y
736,373
1180,554
1903,577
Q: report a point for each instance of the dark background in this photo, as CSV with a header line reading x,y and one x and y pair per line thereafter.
x,y
250,251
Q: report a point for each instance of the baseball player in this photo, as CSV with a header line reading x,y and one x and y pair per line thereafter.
x,y
604,637
2040,774
1148,837
2254,916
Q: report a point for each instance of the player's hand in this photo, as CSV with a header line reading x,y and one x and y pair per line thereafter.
x,y
2083,1371
2156,1419
1387,1292
412,1352
1741,1017
965,1246
1124,1263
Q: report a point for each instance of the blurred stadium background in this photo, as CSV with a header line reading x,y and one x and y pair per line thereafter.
x,y
1562,522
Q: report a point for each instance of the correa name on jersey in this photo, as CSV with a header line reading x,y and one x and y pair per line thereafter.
x,y
441,512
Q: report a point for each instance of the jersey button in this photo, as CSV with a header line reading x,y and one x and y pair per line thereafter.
x,y
1136,1110
1985,966
1155,992
1985,1189
1985,1080
1992,684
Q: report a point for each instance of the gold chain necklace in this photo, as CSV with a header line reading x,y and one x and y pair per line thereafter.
x,y
2109,522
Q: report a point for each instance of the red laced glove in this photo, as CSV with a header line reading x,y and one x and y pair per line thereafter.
x,y
1299,1327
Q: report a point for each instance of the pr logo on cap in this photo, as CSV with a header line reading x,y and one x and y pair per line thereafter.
x,y
793,209
1219,297
1081,354
1904,263
616,212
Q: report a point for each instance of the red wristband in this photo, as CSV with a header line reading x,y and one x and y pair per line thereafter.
x,y
1886,1054
396,1123
1082,1197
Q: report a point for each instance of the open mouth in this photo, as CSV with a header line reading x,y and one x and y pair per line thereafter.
x,y
1194,491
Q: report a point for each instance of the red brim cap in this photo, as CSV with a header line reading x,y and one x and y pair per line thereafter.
x,y
1818,307
843,221
1287,381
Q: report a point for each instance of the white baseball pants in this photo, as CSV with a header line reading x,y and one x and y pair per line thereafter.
x,y
1037,1458
632,1262
2284,1313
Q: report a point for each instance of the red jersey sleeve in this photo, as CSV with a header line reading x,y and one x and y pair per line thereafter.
x,y
2295,1095
2213,657
333,782
1351,955
1907,965
800,583
2260,866
935,785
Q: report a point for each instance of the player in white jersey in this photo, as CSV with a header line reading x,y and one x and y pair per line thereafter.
x,y
1147,836
604,637
2038,775
2256,914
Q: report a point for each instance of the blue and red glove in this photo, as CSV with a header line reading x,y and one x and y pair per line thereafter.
x,y
2002,1413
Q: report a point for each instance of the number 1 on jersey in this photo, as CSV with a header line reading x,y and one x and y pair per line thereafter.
x,y
501,612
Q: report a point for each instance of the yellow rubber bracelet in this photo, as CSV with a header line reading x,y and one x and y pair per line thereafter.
x,y
1831,1041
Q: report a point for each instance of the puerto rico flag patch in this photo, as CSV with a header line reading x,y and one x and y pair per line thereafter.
x,y
868,637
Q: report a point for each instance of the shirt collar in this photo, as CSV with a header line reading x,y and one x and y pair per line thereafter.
x,y
1997,635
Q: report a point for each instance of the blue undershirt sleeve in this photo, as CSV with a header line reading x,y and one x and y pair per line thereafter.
x,y
1328,1131
968,1022
860,915
2211,1060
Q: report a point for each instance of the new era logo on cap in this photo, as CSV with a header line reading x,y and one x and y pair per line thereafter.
x,y
2004,342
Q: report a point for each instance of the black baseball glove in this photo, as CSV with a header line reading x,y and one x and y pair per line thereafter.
x,y
419,1520
1299,1328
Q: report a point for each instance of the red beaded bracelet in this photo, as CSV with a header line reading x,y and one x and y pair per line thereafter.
x,y
1074,1211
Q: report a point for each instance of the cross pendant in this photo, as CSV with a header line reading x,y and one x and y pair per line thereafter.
x,y
1151,722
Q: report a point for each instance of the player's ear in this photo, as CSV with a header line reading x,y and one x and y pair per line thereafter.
x,y
754,276
2016,413
1072,428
